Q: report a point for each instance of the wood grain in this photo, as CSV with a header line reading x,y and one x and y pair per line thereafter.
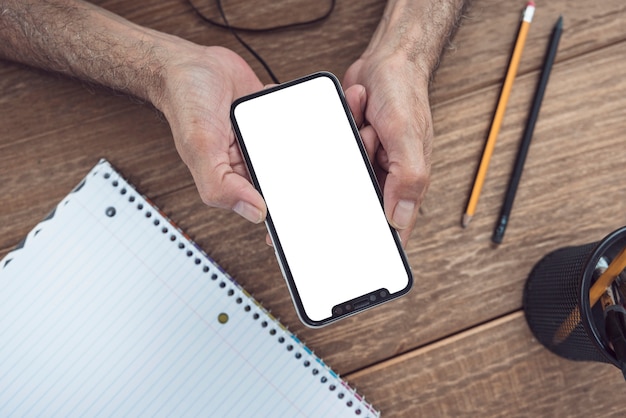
x,y
480,53
461,279
495,370
457,344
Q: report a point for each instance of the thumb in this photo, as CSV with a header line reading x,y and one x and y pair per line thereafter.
x,y
402,197
232,191
244,199
406,182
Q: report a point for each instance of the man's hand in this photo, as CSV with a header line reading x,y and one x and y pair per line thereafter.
x,y
395,118
200,85
396,128
192,85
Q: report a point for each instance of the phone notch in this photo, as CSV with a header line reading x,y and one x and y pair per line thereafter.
x,y
361,303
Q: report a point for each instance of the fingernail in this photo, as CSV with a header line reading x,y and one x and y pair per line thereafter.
x,y
403,213
249,212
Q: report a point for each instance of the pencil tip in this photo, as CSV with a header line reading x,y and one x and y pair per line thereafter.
x,y
466,220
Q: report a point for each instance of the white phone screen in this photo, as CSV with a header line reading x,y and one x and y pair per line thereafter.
x,y
325,215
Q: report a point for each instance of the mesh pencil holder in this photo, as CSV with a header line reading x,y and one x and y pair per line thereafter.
x,y
557,287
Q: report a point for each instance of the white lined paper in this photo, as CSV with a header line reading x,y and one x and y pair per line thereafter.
x,y
106,316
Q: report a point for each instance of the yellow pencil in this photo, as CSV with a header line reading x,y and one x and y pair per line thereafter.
x,y
500,109
607,278
595,293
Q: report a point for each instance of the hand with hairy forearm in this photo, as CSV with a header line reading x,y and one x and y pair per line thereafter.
x,y
396,122
192,85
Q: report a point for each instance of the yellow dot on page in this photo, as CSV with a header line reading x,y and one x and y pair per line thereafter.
x,y
222,318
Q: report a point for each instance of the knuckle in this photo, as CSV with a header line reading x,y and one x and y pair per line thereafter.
x,y
211,190
414,176
210,195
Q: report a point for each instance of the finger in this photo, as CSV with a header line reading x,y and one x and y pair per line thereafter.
x,y
407,161
357,101
405,186
268,240
405,234
382,159
352,73
370,141
224,188
401,207
244,199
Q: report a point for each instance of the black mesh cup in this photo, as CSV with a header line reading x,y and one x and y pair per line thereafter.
x,y
556,300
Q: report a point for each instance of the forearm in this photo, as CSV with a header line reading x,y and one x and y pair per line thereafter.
x,y
84,41
418,30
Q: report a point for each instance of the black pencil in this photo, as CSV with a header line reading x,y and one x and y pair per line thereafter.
x,y
505,212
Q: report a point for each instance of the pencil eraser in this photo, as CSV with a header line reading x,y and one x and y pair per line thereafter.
x,y
529,11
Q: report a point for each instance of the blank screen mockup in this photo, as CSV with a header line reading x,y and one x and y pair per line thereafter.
x,y
327,215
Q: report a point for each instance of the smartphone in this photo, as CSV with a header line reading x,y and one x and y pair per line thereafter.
x,y
336,250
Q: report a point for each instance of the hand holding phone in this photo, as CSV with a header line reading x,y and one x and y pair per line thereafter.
x,y
335,247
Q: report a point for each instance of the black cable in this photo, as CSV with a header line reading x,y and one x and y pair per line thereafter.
x,y
235,29
226,25
245,45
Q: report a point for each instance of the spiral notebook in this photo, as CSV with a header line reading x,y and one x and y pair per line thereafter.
x,y
108,309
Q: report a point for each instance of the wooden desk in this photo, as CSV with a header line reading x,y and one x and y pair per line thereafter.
x,y
458,344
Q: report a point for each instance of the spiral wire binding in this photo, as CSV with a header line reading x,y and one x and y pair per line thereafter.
x,y
275,328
